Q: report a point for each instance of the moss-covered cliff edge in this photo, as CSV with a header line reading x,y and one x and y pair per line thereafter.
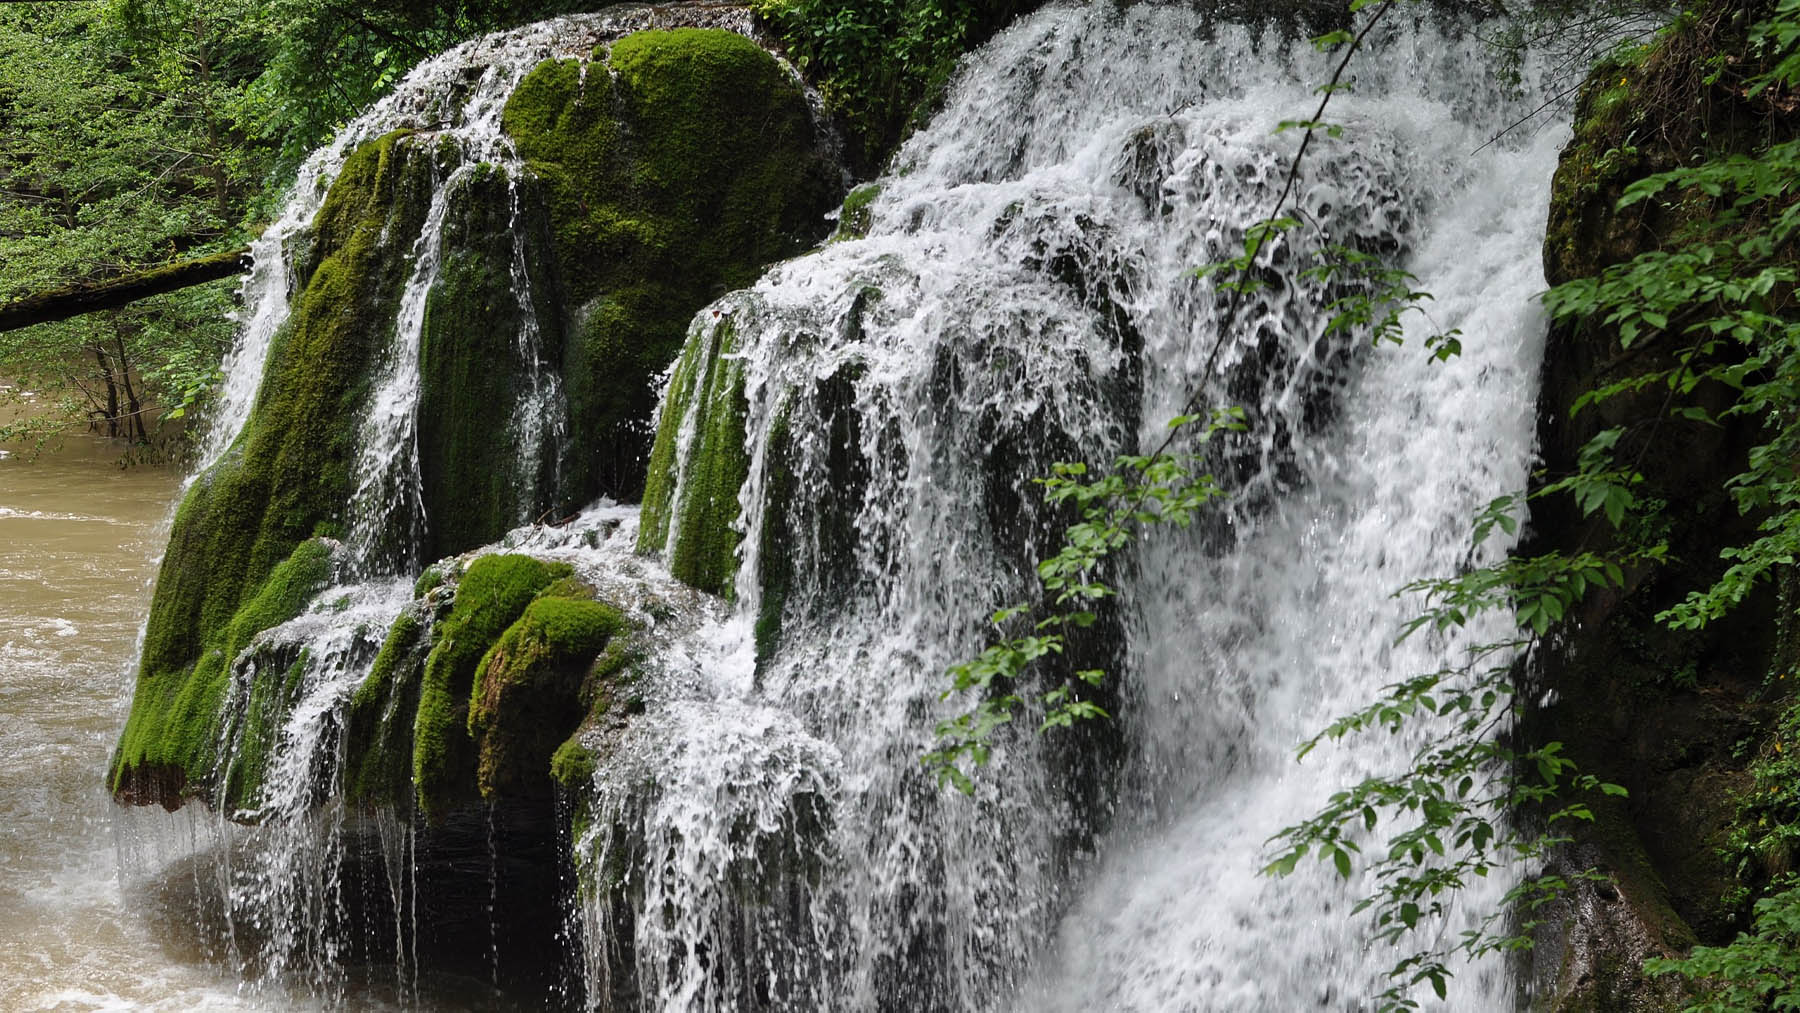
x,y
1676,716
663,169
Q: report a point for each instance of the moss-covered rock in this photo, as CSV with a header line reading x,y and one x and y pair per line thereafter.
x,y
856,217
379,726
699,463
490,339
287,475
1665,713
477,686
572,766
674,168
491,596
169,747
667,169
530,687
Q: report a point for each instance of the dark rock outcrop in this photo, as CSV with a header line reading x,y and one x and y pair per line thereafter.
x,y
1666,713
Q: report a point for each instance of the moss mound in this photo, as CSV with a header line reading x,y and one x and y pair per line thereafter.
x,y
491,596
534,687
286,476
667,169
169,746
477,688
673,172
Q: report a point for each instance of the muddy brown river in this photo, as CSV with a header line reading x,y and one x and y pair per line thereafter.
x,y
79,539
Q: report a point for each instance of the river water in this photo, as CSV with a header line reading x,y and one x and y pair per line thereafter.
x,y
79,540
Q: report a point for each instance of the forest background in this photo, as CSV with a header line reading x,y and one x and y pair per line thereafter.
x,y
139,133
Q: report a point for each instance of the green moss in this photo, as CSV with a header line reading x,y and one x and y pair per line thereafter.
x,y
379,727
527,696
691,502
573,765
475,483
856,218
264,714
171,739
672,178
492,595
289,470
428,581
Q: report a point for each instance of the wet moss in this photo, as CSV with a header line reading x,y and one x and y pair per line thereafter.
x,y
475,481
527,697
855,217
170,741
379,725
264,713
288,472
674,171
572,766
491,596
691,503
1586,231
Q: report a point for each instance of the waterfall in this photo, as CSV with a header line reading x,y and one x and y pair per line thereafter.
x,y
1025,295
760,831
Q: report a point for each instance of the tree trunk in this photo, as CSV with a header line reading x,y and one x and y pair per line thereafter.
x,y
87,296
111,411
134,417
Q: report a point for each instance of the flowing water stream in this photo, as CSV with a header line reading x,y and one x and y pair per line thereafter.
x,y
763,835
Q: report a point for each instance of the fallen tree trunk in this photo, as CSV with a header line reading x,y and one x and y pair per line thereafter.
x,y
86,297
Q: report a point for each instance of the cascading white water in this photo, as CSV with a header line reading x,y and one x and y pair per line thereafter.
x,y
1025,296
272,893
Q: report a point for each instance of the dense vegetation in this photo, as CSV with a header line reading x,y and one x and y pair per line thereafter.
x,y
1677,261
134,133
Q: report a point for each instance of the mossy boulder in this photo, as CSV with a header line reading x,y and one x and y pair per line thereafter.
x,y
168,750
480,683
537,684
665,170
286,476
491,596
857,216
675,166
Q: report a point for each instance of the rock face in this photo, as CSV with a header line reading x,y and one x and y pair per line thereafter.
x,y
535,302
1673,716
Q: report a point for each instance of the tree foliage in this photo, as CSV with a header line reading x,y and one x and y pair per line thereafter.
x,y
877,61
138,132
